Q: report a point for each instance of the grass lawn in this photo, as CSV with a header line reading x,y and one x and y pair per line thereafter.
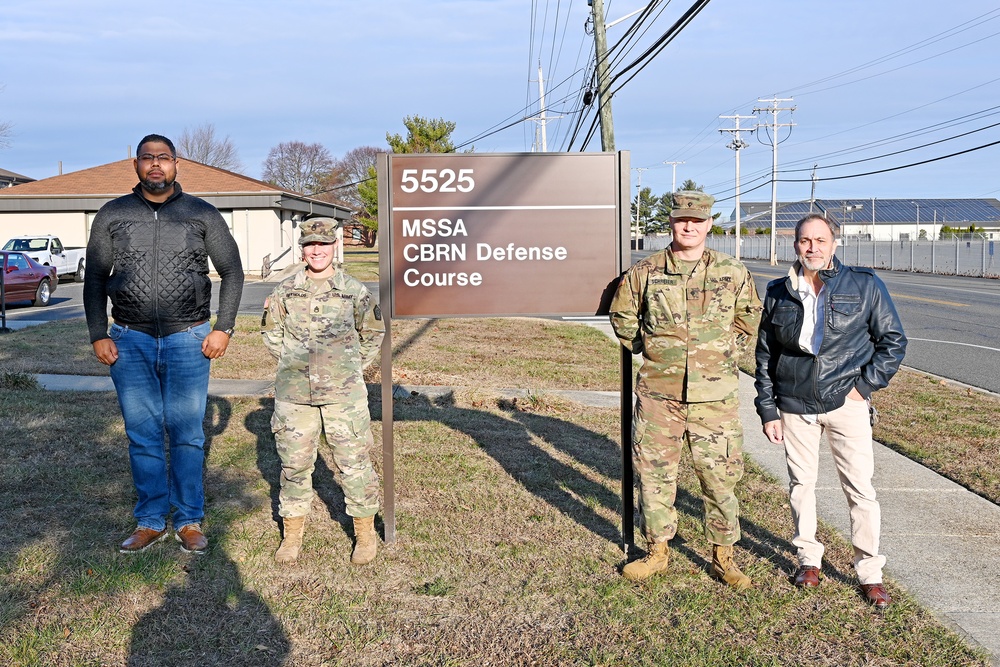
x,y
507,532
506,555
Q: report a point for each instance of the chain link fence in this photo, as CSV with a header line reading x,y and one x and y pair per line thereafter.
x,y
957,255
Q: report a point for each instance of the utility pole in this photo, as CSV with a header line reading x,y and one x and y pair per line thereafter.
x,y
737,144
673,181
774,109
541,113
812,191
638,202
603,94
540,142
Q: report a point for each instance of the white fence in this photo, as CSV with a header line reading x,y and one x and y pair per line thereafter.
x,y
963,255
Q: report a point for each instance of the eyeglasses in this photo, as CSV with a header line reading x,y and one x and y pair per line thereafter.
x,y
162,157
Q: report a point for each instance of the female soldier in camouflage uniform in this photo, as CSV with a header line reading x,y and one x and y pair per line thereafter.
x,y
323,327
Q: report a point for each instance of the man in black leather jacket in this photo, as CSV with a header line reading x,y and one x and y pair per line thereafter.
x,y
829,337
149,251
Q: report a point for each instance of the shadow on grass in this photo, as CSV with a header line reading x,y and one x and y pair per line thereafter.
x,y
510,444
591,449
324,480
208,617
507,438
66,487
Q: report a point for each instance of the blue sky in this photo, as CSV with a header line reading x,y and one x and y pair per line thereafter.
x,y
83,81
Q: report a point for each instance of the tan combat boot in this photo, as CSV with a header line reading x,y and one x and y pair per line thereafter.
x,y
365,540
656,560
294,527
724,568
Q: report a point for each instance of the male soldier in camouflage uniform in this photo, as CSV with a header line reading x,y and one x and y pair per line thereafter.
x,y
683,310
323,327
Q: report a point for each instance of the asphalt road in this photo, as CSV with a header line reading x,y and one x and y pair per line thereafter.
x,y
67,303
952,322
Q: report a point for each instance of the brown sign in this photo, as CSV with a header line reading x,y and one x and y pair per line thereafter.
x,y
502,234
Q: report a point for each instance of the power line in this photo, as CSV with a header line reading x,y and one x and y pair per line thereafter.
x,y
873,173
649,54
774,110
903,166
951,32
923,130
905,150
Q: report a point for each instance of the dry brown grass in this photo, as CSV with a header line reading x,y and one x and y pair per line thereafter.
x,y
935,422
525,353
63,348
947,428
506,555
362,263
507,524
471,352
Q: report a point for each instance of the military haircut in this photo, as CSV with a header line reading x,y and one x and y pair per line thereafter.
x,y
157,138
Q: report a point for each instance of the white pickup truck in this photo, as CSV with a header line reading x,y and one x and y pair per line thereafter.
x,y
49,251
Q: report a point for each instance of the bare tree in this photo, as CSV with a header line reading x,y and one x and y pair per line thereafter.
x,y
348,171
6,128
298,167
201,145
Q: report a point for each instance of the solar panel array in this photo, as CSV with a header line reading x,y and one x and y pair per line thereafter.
x,y
954,212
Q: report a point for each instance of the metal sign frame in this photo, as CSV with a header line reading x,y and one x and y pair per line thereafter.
x,y
490,230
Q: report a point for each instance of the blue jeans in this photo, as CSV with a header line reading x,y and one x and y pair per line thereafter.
x,y
162,386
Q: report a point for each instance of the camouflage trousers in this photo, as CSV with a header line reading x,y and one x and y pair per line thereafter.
x,y
297,430
713,434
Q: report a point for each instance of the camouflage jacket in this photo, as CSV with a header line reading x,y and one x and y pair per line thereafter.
x,y
686,327
323,334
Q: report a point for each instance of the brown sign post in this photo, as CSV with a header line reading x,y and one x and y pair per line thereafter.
x,y
499,234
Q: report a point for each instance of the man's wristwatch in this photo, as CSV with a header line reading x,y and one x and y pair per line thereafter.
x,y
230,331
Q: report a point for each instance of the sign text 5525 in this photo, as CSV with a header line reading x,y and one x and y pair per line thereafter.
x,y
437,180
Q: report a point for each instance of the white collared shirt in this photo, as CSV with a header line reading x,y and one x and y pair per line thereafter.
x,y
811,336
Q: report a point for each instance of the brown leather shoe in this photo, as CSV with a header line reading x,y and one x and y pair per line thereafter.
x,y
807,577
142,539
192,539
876,595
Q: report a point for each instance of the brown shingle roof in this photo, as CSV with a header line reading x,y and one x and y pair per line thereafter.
x,y
118,178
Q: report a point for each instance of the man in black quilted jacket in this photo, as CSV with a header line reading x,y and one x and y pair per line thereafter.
x,y
148,251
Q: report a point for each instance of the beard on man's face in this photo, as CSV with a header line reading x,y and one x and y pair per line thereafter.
x,y
156,187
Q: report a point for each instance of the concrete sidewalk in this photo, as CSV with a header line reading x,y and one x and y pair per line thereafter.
x,y
221,387
941,540
103,383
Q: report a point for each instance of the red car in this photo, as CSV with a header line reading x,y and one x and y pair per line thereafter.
x,y
24,279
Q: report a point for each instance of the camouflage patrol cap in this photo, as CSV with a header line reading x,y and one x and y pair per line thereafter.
x,y
319,230
691,204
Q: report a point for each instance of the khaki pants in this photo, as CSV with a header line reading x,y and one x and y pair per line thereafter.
x,y
849,433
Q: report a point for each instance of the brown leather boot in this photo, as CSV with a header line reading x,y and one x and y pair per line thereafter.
x,y
724,568
291,543
656,560
365,540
